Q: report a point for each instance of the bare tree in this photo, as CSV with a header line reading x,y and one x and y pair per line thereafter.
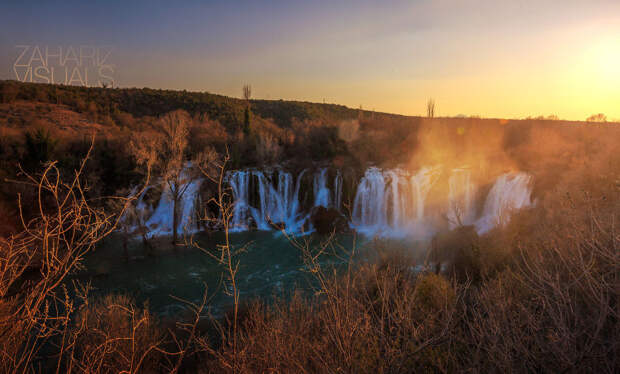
x,y
430,108
600,117
247,94
175,128
166,152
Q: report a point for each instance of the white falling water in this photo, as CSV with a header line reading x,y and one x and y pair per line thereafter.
x,y
400,202
387,202
323,196
161,220
369,208
391,202
338,190
511,191
320,189
278,201
421,184
239,181
461,198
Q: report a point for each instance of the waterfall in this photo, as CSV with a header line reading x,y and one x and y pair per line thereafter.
x,y
421,184
295,202
392,202
323,196
277,205
389,202
161,220
510,192
278,200
338,191
369,208
397,199
321,192
461,209
239,182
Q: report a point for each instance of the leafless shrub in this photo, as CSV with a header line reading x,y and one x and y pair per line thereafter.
x,y
267,149
556,309
349,130
213,167
378,316
35,304
113,335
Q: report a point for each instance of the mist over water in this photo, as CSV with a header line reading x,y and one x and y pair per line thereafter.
x,y
510,192
462,195
392,203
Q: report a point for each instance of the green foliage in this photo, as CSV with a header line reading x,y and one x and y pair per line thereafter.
x,y
40,147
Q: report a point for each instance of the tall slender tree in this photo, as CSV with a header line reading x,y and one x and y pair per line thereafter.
x,y
430,108
247,95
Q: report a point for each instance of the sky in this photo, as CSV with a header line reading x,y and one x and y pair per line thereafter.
x,y
491,58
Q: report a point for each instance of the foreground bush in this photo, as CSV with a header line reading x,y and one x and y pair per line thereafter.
x,y
113,335
544,297
539,295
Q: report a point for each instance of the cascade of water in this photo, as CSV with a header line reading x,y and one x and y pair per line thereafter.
x,y
320,189
277,204
338,190
421,184
295,199
510,192
239,181
266,203
395,199
272,200
141,206
461,209
161,221
390,202
369,208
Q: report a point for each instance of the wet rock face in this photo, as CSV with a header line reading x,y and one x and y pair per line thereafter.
x,y
327,220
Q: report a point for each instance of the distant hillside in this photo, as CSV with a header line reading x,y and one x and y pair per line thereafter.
x,y
40,122
141,102
146,102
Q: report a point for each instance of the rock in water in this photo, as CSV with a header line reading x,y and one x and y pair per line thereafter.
x,y
327,220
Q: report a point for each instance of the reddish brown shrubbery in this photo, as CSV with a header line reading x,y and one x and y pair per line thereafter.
x,y
538,295
111,334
